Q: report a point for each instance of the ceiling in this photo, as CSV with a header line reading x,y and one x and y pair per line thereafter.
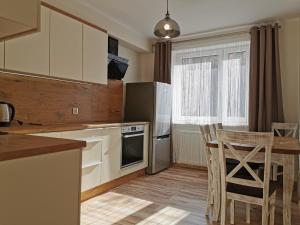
x,y
193,16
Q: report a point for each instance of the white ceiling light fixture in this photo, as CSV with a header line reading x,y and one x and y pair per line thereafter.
x,y
167,28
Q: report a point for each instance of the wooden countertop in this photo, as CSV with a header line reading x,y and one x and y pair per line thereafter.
x,y
33,129
14,146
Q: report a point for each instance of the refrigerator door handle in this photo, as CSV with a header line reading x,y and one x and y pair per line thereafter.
x,y
162,137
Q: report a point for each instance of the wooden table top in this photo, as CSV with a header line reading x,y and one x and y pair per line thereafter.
x,y
281,145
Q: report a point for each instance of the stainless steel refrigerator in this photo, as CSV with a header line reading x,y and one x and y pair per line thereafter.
x,y
151,101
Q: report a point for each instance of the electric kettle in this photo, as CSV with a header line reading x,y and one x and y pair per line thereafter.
x,y
7,114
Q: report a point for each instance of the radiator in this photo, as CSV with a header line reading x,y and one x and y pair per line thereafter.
x,y
187,145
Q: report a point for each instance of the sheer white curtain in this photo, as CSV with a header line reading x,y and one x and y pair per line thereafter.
x,y
210,82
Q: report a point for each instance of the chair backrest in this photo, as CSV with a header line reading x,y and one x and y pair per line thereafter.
x,y
218,126
215,127
206,137
289,129
205,133
260,142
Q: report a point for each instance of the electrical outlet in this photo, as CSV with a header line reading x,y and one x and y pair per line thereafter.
x,y
75,111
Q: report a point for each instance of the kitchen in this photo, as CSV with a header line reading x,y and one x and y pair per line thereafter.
x,y
89,110
95,131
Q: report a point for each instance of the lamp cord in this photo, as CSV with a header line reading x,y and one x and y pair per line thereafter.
x,y
167,7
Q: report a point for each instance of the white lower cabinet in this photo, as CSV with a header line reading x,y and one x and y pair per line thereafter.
x,y
91,156
111,154
101,158
90,177
91,164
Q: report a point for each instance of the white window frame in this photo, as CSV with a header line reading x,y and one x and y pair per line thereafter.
x,y
221,52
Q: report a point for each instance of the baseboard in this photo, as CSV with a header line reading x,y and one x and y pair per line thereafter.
x,y
110,185
183,165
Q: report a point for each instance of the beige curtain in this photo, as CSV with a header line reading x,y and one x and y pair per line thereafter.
x,y
265,103
162,63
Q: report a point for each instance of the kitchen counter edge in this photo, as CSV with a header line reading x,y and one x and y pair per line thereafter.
x,y
16,146
35,129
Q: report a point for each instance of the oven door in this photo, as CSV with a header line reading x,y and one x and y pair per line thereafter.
x,y
132,148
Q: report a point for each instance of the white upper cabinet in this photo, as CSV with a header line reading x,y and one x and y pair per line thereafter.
x,y
94,55
65,47
30,53
18,17
1,55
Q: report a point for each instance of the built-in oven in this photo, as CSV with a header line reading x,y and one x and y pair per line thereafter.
x,y
132,145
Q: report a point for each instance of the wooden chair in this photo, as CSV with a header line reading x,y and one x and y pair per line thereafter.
x,y
231,164
206,137
251,190
214,127
289,129
282,130
218,126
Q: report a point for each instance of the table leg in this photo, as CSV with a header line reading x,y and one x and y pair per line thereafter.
x,y
288,186
216,185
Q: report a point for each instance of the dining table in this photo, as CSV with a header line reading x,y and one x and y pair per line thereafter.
x,y
285,150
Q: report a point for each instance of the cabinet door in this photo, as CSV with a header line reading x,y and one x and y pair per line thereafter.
x,y
30,53
65,47
19,17
90,177
111,154
1,55
94,55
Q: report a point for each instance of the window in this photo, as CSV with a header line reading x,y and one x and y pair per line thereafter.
x,y
210,84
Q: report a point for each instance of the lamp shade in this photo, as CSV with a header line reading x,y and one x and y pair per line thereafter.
x,y
167,28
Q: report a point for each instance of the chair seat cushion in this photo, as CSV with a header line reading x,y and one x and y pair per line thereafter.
x,y
251,191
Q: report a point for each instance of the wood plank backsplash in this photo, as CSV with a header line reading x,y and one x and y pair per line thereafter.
x,y
47,101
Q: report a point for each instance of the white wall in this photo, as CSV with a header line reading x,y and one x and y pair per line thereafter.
x,y
290,63
141,65
133,71
147,67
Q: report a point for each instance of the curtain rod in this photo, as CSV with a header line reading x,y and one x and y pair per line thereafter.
x,y
211,36
221,34
279,26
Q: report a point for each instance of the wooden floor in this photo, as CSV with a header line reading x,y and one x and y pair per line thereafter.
x,y
176,196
